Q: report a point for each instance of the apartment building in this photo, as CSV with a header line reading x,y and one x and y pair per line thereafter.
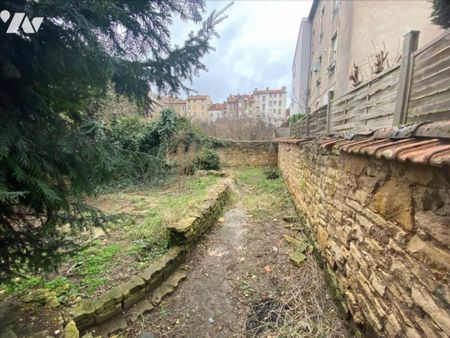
x,y
299,94
217,111
177,104
197,107
239,106
340,34
270,105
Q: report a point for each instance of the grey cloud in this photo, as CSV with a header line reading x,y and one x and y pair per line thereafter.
x,y
255,49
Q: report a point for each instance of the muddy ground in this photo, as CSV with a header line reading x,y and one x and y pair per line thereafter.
x,y
242,283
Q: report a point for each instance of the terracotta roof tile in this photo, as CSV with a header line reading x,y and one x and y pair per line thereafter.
x,y
431,151
393,152
340,143
372,149
422,154
363,149
217,106
346,146
198,97
328,143
440,159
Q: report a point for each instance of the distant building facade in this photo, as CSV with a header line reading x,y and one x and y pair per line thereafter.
x,y
267,104
239,106
270,105
340,34
177,104
299,94
197,107
217,111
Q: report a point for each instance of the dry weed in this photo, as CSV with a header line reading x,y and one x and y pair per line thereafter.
x,y
304,311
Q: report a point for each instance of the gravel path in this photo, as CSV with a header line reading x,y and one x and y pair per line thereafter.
x,y
241,283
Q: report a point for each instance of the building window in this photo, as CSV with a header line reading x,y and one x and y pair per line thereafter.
x,y
322,14
333,53
336,5
318,70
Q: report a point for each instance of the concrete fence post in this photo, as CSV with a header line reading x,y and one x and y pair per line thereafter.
x,y
330,96
410,43
307,123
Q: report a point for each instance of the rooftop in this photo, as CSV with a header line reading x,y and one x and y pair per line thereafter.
x,y
269,91
198,97
217,106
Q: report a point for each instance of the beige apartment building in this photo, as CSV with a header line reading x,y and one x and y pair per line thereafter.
x,y
270,105
267,104
197,107
217,111
340,34
177,104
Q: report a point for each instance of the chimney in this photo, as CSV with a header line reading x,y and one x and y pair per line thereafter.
x,y
267,88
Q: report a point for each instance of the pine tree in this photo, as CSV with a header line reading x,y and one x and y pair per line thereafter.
x,y
51,153
440,14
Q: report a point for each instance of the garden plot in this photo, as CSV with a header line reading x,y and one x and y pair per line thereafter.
x,y
136,235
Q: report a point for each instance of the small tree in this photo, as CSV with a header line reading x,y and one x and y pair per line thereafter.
x,y
440,14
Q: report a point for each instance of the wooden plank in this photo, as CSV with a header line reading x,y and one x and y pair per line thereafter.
x,y
345,127
433,49
441,95
431,83
436,67
431,116
440,102
430,96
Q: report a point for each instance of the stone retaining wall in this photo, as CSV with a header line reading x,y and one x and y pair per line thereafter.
x,y
149,281
91,312
383,230
199,221
248,153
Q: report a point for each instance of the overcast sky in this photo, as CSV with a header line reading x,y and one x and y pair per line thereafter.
x,y
255,49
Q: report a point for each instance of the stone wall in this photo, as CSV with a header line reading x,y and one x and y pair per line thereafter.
x,y
383,229
159,278
248,153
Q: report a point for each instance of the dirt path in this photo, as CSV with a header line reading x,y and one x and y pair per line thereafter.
x,y
241,282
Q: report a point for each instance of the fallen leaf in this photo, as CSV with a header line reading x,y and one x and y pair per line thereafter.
x,y
298,257
267,268
221,220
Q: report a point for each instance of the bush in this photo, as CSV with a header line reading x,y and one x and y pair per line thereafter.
x,y
271,173
208,160
296,117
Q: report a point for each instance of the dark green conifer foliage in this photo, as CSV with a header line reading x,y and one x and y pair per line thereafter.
x,y
52,154
441,13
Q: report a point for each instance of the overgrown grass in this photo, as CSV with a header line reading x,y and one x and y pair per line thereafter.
x,y
136,237
92,264
151,233
266,193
